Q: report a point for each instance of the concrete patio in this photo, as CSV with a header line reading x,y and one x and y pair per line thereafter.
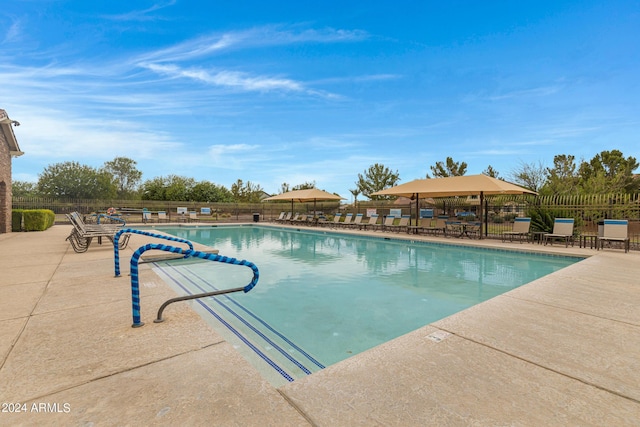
x,y
560,351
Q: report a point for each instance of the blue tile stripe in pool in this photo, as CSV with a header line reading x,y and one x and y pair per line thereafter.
x,y
250,326
267,326
238,334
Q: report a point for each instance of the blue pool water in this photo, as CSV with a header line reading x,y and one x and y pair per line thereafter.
x,y
323,297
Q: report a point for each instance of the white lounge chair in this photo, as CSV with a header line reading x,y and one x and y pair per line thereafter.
x,y
162,216
336,220
83,234
521,227
402,225
388,222
439,227
357,221
347,220
562,230
372,224
614,230
285,218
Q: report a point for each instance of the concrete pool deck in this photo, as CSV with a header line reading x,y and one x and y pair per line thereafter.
x,y
562,350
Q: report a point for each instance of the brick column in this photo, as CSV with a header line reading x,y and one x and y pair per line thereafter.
x,y
5,186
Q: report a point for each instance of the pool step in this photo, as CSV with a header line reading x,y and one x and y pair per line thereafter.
x,y
254,337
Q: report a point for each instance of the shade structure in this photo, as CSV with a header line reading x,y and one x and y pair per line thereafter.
x,y
465,185
309,195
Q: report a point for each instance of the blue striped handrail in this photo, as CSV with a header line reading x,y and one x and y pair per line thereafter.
x,y
116,238
135,285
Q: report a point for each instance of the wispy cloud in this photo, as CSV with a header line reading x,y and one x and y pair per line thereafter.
x,y
14,32
226,78
527,93
141,15
167,61
251,38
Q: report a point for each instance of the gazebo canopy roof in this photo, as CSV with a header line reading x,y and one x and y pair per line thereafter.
x,y
465,185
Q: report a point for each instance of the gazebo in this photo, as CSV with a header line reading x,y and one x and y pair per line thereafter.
x,y
465,185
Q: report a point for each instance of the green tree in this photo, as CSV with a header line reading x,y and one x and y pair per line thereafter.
x,y
609,172
172,187
448,168
529,175
562,178
76,181
378,177
125,176
154,189
246,192
24,189
355,192
490,171
305,186
179,188
205,191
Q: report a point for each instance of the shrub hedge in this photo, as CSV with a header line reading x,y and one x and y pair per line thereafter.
x,y
32,219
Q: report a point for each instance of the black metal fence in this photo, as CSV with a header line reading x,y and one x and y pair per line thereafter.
x,y
497,212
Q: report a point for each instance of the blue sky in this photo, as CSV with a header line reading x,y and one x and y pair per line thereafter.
x,y
282,91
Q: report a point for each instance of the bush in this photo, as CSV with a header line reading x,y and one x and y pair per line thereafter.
x,y
16,219
542,219
32,219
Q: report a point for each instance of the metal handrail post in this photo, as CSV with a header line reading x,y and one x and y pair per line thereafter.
x,y
135,283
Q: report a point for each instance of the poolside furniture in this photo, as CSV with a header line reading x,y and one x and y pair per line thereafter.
x,y
281,217
592,238
336,220
562,230
402,225
193,216
301,219
162,216
615,230
321,221
357,220
453,229
388,222
306,219
295,218
425,220
439,226
372,223
347,220
285,218
521,227
472,229
83,234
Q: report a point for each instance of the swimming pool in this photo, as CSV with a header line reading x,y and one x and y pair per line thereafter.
x,y
323,297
